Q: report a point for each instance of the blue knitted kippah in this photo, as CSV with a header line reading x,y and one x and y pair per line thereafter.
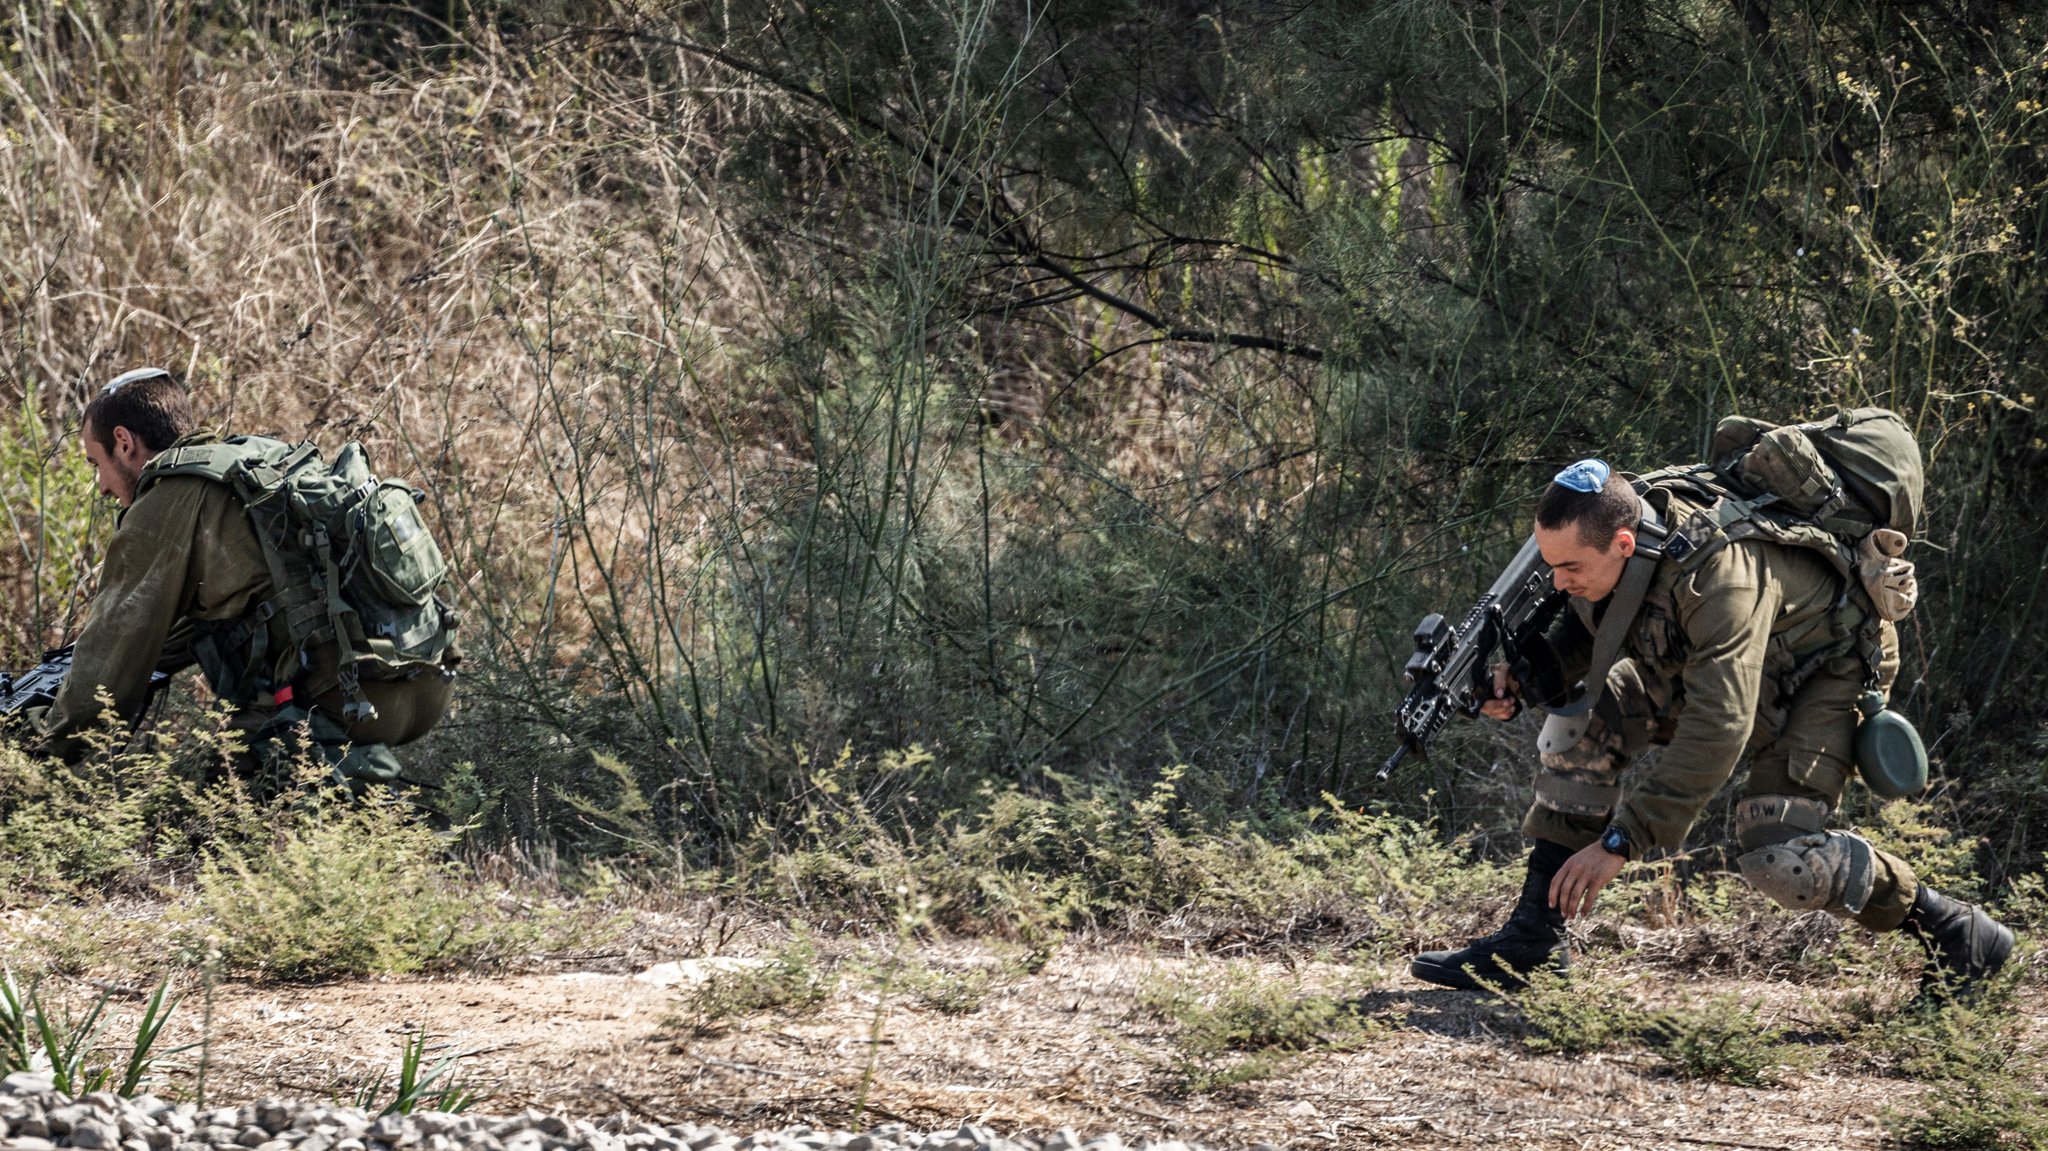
x,y
1587,475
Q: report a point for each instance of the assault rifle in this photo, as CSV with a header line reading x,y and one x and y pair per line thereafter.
x,y
37,687
1452,668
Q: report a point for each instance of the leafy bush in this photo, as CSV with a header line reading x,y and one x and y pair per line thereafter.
x,y
343,889
1576,1013
1984,1077
1247,1025
1031,864
792,980
1728,1040
950,991
83,828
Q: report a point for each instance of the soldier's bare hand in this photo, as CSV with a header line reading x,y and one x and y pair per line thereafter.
x,y
1504,704
1578,882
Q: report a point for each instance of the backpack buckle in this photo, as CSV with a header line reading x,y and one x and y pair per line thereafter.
x,y
1676,546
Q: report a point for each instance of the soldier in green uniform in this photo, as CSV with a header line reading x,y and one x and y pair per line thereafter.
x,y
184,568
1752,648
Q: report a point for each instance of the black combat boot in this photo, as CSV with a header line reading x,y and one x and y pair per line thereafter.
x,y
1964,946
1533,936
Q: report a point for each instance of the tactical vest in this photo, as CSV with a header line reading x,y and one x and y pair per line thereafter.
x,y
353,570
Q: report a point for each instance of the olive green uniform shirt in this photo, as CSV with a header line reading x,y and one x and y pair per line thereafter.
x,y
1720,637
183,552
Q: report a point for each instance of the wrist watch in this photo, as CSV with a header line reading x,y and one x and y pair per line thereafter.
x,y
1615,841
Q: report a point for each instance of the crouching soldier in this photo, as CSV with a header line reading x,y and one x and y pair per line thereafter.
x,y
188,579
1740,643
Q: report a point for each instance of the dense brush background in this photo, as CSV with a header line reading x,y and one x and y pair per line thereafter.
x,y
915,407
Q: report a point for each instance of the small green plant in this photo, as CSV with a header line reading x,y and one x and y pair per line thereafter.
x,y
792,981
1725,1039
1248,1027
14,1026
1576,1014
950,991
339,888
31,1034
1982,1074
78,829
421,1086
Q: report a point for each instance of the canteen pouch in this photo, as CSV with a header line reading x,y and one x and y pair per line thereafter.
x,y
1889,755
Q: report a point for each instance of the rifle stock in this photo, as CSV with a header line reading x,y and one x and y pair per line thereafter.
x,y
1451,671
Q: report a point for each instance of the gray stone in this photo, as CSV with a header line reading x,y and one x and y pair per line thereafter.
x,y
526,1139
251,1136
95,1133
315,1141
158,1138
1064,1139
29,1083
432,1123
29,1143
216,1135
63,1119
135,1145
272,1115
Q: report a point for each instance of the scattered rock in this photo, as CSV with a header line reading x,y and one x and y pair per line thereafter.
x,y
33,1117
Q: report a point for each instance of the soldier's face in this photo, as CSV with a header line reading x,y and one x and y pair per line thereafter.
x,y
114,469
1582,570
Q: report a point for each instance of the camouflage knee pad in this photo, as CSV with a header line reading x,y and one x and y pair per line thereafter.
x,y
1831,871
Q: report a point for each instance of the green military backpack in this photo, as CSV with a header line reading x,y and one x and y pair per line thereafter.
x,y
1851,487
351,562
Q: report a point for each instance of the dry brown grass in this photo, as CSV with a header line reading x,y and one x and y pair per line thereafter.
x,y
428,260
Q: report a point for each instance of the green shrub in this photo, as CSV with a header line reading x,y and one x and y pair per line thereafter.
x,y
79,829
1247,1025
950,991
1984,1079
341,890
1726,1039
792,981
1031,864
1576,1014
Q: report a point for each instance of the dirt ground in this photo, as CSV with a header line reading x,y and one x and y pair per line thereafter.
x,y
1067,1047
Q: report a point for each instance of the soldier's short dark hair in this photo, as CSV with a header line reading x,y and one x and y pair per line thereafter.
x,y
151,403
1598,514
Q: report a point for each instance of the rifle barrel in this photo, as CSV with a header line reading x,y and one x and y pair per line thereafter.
x,y
1393,761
